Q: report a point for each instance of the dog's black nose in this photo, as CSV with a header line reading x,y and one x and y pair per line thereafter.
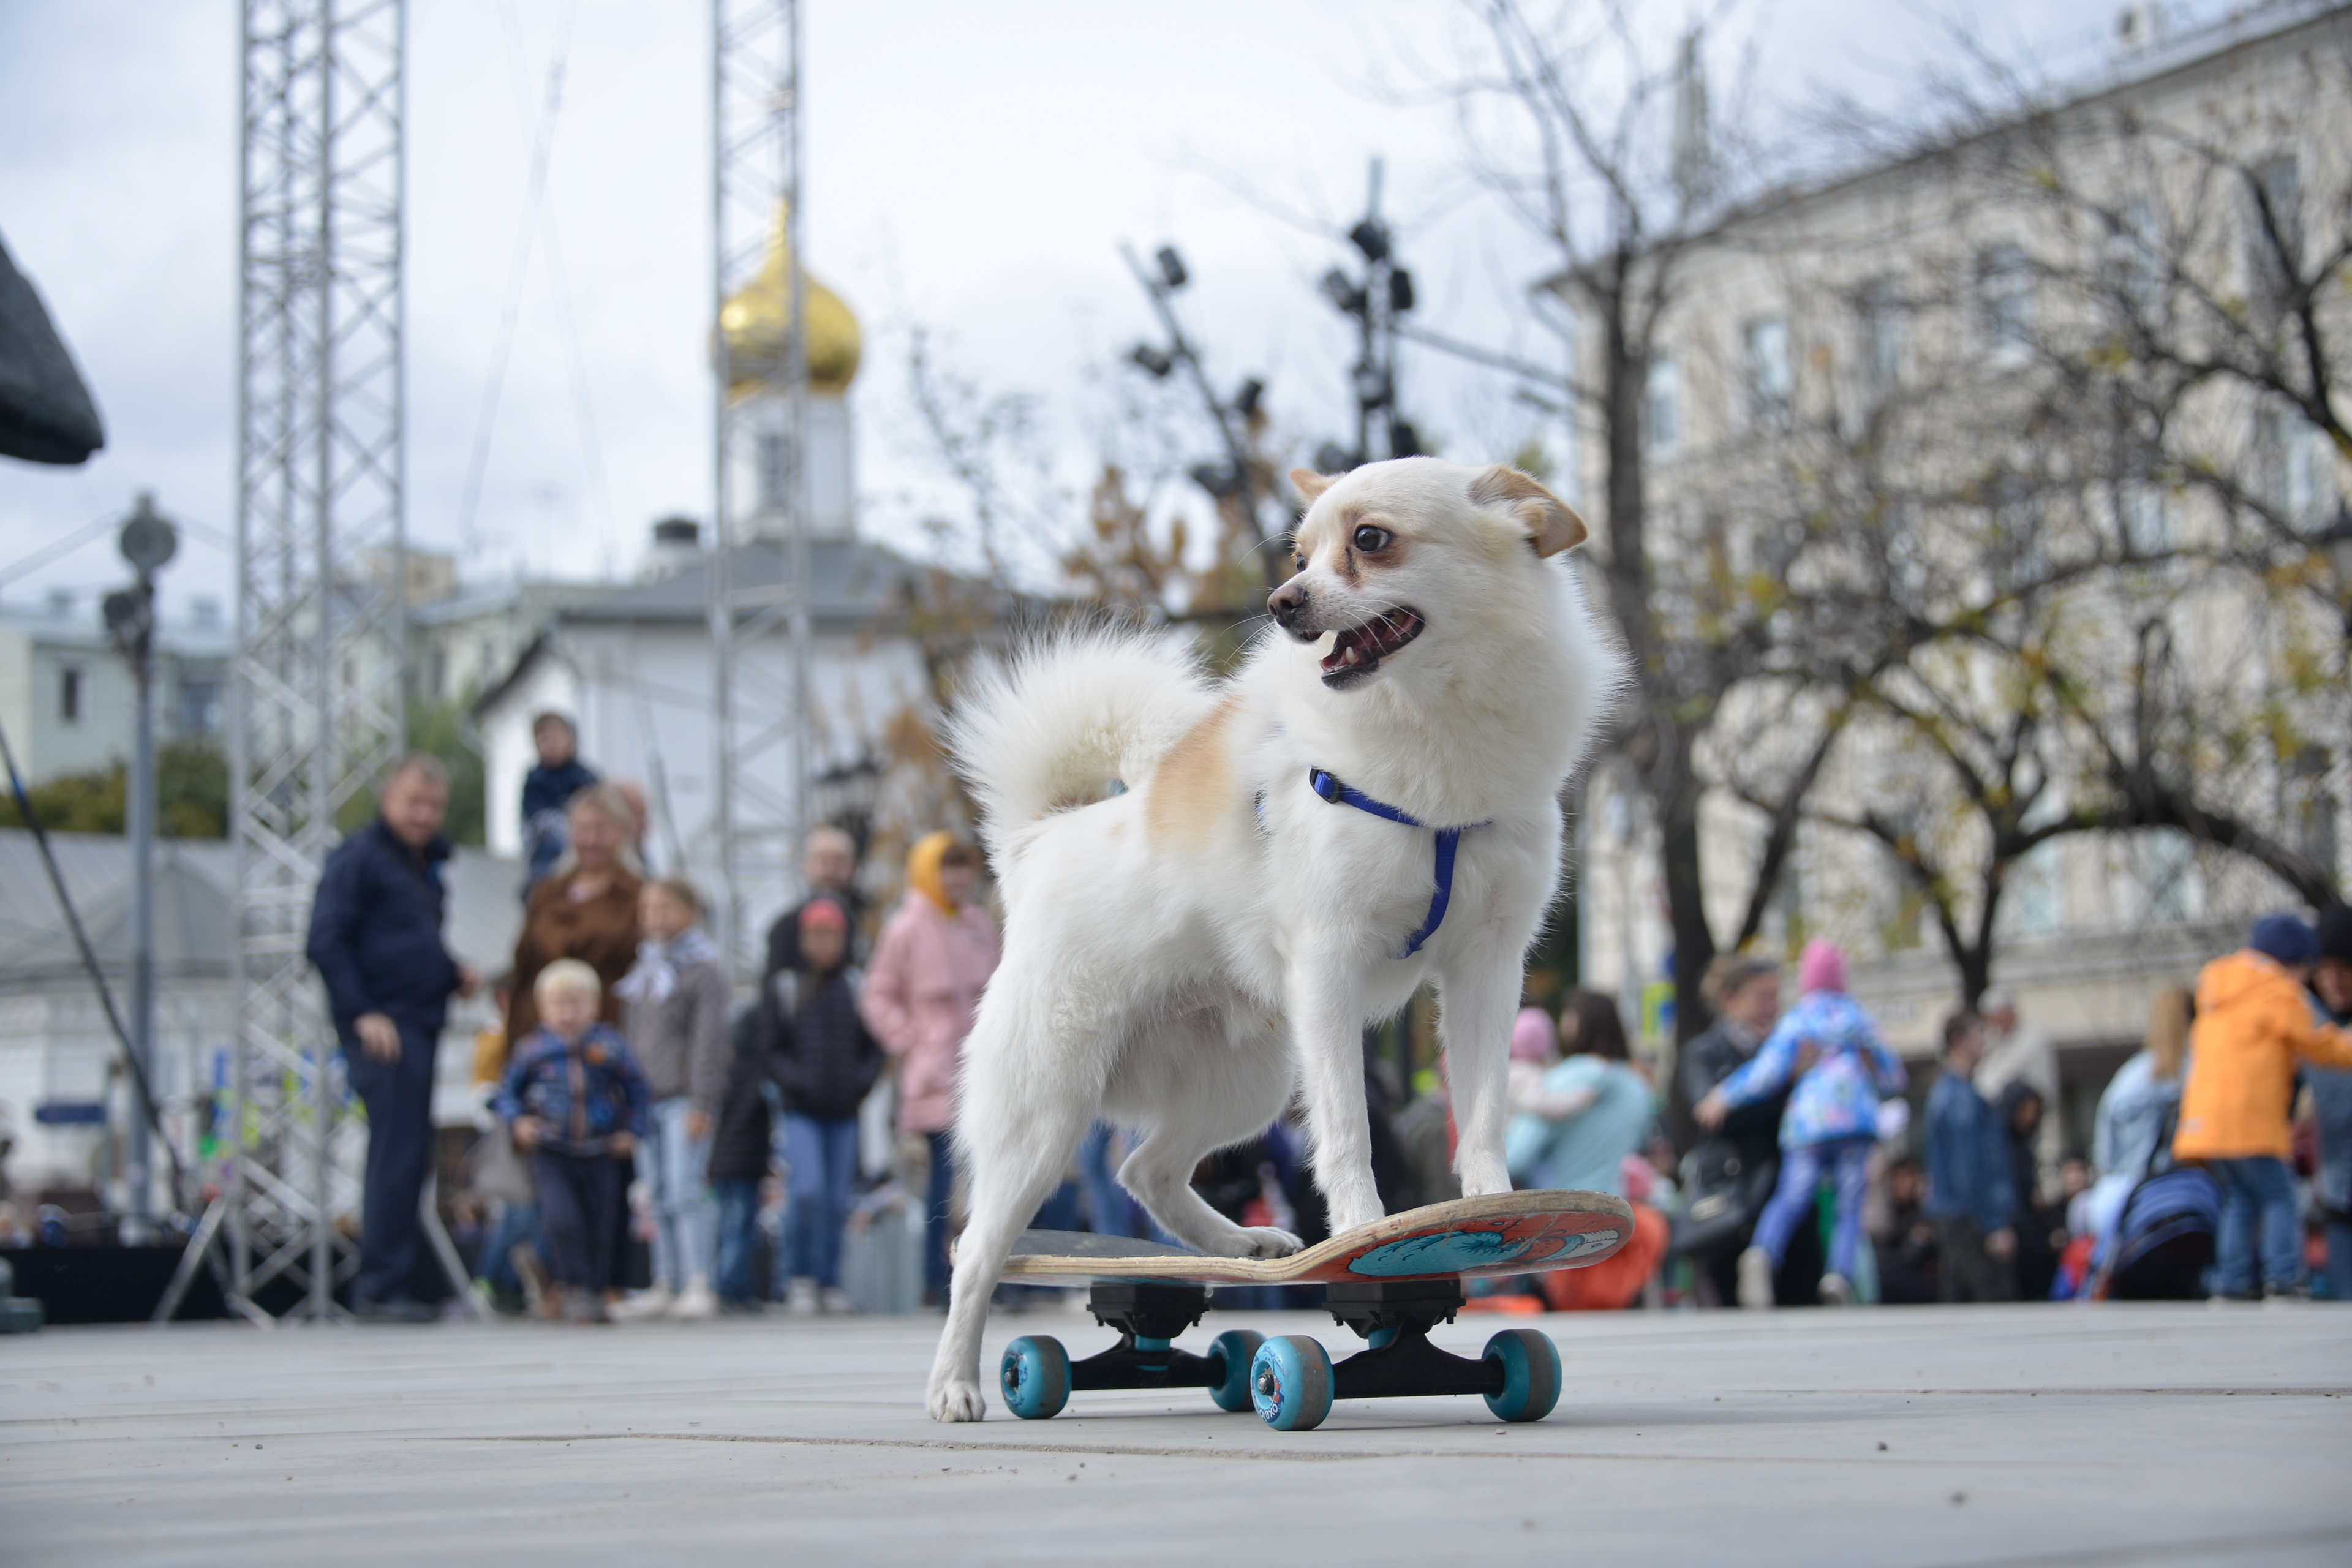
x,y
1288,603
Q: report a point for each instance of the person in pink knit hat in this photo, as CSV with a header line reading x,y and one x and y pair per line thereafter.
x,y
1830,1125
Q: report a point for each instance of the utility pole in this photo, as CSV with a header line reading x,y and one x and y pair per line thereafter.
x,y
147,543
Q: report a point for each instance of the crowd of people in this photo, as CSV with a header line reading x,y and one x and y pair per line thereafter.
x,y
629,1098
1773,1160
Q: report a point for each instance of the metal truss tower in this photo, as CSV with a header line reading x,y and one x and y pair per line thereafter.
x,y
316,709
758,564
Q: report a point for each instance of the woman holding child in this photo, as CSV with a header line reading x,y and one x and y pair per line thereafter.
x,y
586,908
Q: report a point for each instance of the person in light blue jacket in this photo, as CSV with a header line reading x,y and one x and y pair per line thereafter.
x,y
1831,1123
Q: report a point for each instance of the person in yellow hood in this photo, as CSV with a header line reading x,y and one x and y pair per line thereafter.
x,y
2252,1024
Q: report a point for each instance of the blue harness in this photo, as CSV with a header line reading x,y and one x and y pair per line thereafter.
x,y
1448,840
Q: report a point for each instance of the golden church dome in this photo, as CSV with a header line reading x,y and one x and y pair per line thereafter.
x,y
757,316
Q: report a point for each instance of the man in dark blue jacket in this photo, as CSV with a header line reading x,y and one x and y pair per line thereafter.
x,y
375,939
1969,1196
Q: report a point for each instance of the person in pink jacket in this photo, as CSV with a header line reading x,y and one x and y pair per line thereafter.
x,y
933,959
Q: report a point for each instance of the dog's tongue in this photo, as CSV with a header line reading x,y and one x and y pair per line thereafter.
x,y
1348,647
1365,644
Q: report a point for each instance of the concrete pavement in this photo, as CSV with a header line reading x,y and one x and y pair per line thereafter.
x,y
1973,1435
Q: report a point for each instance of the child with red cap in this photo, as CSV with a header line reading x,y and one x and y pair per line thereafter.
x,y
1830,1125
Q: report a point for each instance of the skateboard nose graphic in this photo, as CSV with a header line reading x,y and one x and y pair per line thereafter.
x,y
1457,1252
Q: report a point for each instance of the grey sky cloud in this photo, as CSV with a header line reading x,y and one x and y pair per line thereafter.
x,y
972,168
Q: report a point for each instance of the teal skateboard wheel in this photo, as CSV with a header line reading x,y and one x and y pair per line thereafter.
x,y
1531,1375
1035,1374
1290,1384
1239,1349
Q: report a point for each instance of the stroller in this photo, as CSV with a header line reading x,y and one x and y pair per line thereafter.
x,y
2164,1241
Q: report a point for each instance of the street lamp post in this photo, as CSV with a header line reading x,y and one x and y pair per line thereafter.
x,y
1233,477
1376,300
147,543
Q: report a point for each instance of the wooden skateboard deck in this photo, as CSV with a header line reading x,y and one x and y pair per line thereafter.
x,y
1468,1238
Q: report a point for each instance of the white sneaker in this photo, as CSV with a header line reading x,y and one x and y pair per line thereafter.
x,y
1836,1291
641,1306
835,1303
800,1300
1756,1280
696,1304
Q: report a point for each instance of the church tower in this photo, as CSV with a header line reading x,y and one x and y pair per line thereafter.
x,y
756,320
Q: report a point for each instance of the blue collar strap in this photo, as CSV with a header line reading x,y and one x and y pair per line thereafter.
x,y
1448,840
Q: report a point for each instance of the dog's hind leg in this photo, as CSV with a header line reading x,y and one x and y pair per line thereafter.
x,y
1477,1001
1015,1148
1216,1096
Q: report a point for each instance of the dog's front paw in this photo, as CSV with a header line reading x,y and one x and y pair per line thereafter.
x,y
1265,1241
956,1399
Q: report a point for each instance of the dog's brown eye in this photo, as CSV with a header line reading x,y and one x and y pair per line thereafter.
x,y
1298,564
1371,541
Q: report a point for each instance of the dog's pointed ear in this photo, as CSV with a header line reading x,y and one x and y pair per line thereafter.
x,y
1551,523
1310,484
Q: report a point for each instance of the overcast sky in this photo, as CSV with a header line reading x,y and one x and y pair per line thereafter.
x,y
972,169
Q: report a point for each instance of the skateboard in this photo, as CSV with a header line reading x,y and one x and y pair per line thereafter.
x,y
1390,1281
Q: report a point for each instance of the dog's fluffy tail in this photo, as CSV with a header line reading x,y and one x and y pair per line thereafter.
x,y
1070,716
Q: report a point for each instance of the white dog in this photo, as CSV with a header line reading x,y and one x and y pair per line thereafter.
x,y
1210,890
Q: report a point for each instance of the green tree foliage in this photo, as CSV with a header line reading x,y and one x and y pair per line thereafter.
x,y
439,729
191,796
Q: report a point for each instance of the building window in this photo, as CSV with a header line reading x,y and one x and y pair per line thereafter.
x,y
2275,249
69,695
2168,872
2145,514
775,460
2293,467
2005,303
2134,260
1662,406
1882,338
1772,385
200,707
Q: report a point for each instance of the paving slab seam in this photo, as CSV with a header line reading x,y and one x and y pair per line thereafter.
x,y
2210,1550
1294,1455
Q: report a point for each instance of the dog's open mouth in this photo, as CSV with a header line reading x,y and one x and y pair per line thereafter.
x,y
1358,651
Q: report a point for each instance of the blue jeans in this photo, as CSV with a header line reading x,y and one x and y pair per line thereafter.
x,y
673,1165
1847,1161
822,1153
517,1223
2339,1258
935,1215
738,1233
2257,1212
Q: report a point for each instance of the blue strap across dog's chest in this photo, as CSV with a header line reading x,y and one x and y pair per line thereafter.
x,y
1448,840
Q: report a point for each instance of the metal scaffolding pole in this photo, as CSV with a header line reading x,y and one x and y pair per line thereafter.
x,y
316,691
758,564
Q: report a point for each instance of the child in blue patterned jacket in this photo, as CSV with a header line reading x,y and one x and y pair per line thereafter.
x,y
1828,1044
574,1098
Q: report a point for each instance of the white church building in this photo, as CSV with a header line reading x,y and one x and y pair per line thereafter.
x,y
634,670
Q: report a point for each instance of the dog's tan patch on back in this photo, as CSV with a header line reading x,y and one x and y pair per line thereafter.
x,y
1191,790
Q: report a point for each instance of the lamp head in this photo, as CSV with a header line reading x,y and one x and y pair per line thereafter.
x,y
147,541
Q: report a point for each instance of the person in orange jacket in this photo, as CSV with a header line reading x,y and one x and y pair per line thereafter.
x,y
2252,1022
